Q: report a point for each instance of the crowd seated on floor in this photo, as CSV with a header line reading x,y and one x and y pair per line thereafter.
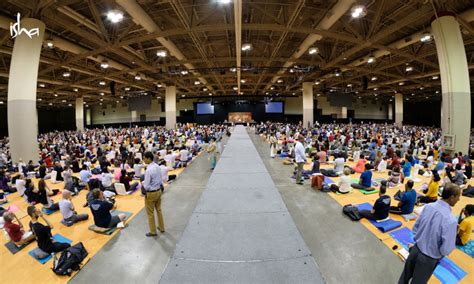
x,y
399,155
104,162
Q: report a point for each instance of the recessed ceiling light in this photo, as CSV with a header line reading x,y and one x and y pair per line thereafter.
x,y
204,89
40,99
293,94
318,95
242,81
210,94
183,96
66,74
224,1
401,83
49,43
158,97
358,11
371,60
42,85
159,85
279,81
100,103
317,82
75,89
115,16
102,93
375,95
338,74
138,77
437,92
121,97
127,89
1,102
70,105
373,78
291,70
426,37
101,100
87,105
233,69
412,94
197,83
313,50
409,68
235,88
246,46
50,104
349,85
421,88
161,53
184,72
375,89
117,101
102,83
104,64
84,103
63,101
272,88
56,95
435,77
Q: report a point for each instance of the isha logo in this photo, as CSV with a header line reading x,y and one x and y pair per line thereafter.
x,y
16,29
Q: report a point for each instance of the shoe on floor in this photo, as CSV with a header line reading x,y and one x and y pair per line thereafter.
x,y
151,235
161,231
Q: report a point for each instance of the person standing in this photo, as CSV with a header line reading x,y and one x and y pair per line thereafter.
x,y
273,145
212,152
300,158
153,186
435,237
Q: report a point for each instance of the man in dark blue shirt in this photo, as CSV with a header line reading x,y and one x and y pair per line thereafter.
x,y
381,206
407,200
101,211
365,180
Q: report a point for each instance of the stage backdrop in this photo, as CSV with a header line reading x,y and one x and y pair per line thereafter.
x,y
240,117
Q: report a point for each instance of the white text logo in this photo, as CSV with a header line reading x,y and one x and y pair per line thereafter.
x,y
16,29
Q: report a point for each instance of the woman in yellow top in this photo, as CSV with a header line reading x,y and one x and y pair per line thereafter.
x,y
431,193
465,225
212,152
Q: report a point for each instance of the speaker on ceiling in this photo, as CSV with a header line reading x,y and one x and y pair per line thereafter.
x,y
112,88
365,82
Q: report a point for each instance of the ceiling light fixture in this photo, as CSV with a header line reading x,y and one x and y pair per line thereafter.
x,y
138,77
317,82
225,1
210,94
127,89
358,11
291,70
49,43
41,85
435,77
159,85
242,81
66,74
373,78
102,83
401,83
184,72
371,60
115,16
40,99
338,73
101,93
75,89
437,92
313,50
55,95
235,88
204,89
246,46
375,89
104,64
50,104
426,37
349,85
197,83
161,53
233,69
279,81
63,101
409,68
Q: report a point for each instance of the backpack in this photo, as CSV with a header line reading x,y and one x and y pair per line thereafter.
x,y
352,212
69,260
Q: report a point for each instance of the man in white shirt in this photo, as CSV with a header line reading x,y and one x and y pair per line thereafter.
x,y
153,186
164,172
20,184
300,158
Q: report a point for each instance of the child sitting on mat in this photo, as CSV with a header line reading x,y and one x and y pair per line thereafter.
x,y
466,225
16,232
381,206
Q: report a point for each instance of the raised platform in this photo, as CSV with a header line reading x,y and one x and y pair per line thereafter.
x,y
241,231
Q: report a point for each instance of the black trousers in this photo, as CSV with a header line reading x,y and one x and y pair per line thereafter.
x,y
367,214
418,267
395,210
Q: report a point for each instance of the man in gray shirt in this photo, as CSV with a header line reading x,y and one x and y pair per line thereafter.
x,y
68,211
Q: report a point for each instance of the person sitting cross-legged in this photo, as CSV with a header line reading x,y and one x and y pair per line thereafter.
x,y
431,193
466,225
68,211
381,206
407,200
16,232
365,180
101,211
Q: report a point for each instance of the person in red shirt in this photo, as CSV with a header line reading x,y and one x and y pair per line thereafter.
x,y
15,231
360,166
48,161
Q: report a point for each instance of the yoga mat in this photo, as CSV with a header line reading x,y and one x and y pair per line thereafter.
x,y
355,180
447,271
366,192
13,208
57,238
384,226
14,248
48,211
94,228
467,248
328,180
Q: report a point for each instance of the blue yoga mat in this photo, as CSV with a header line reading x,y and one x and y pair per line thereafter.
x,y
384,226
57,238
48,211
447,271
328,180
467,248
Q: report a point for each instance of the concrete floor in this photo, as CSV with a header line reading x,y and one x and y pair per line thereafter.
x,y
345,251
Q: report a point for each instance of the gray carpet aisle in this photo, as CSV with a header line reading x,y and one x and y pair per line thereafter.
x,y
241,231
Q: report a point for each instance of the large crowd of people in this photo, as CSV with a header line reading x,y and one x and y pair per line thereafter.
x,y
104,162
401,156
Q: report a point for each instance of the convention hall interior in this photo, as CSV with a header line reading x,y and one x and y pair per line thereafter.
x,y
236,141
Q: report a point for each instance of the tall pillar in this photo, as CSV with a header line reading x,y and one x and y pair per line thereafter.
x,y
308,104
398,108
80,113
134,115
170,107
456,97
390,111
88,116
22,82
344,112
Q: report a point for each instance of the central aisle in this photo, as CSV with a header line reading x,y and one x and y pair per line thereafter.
x,y
241,231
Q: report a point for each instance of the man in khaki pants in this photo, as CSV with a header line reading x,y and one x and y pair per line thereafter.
x,y
153,186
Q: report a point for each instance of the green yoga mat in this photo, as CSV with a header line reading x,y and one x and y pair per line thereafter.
x,y
369,191
111,230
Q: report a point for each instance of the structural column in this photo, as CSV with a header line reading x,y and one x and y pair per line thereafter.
x,y
80,113
456,98
170,107
390,111
344,112
88,116
398,108
134,115
308,104
22,83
